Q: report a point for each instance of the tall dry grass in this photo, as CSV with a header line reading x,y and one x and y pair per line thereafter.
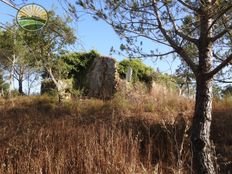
x,y
138,131
221,133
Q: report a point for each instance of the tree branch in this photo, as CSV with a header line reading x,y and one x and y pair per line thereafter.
x,y
188,6
222,81
178,32
49,70
218,36
220,15
177,48
220,67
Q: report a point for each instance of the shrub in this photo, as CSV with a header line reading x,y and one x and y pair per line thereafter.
x,y
141,72
144,73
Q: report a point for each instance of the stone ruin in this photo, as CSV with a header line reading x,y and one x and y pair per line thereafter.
x,y
101,79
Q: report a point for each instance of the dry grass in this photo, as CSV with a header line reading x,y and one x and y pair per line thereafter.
x,y
221,134
135,132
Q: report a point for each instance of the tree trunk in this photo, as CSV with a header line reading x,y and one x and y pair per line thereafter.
x,y
56,82
200,138
20,86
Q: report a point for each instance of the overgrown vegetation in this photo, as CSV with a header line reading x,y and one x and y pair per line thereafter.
x,y
144,73
77,65
141,72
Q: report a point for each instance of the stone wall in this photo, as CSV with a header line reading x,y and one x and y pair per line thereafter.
x,y
102,78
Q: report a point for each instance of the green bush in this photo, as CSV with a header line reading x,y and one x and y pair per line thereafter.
x,y
144,73
141,72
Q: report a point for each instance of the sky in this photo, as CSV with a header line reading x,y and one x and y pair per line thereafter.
x,y
91,34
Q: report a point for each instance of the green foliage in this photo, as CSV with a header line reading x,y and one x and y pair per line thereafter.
x,y
6,46
144,73
36,52
77,66
47,45
141,72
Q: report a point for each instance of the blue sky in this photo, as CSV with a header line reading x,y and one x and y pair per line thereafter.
x,y
91,34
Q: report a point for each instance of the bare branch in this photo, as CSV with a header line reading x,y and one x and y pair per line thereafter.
x,y
144,55
10,3
159,55
222,81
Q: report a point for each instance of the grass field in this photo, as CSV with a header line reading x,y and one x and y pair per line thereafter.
x,y
134,133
